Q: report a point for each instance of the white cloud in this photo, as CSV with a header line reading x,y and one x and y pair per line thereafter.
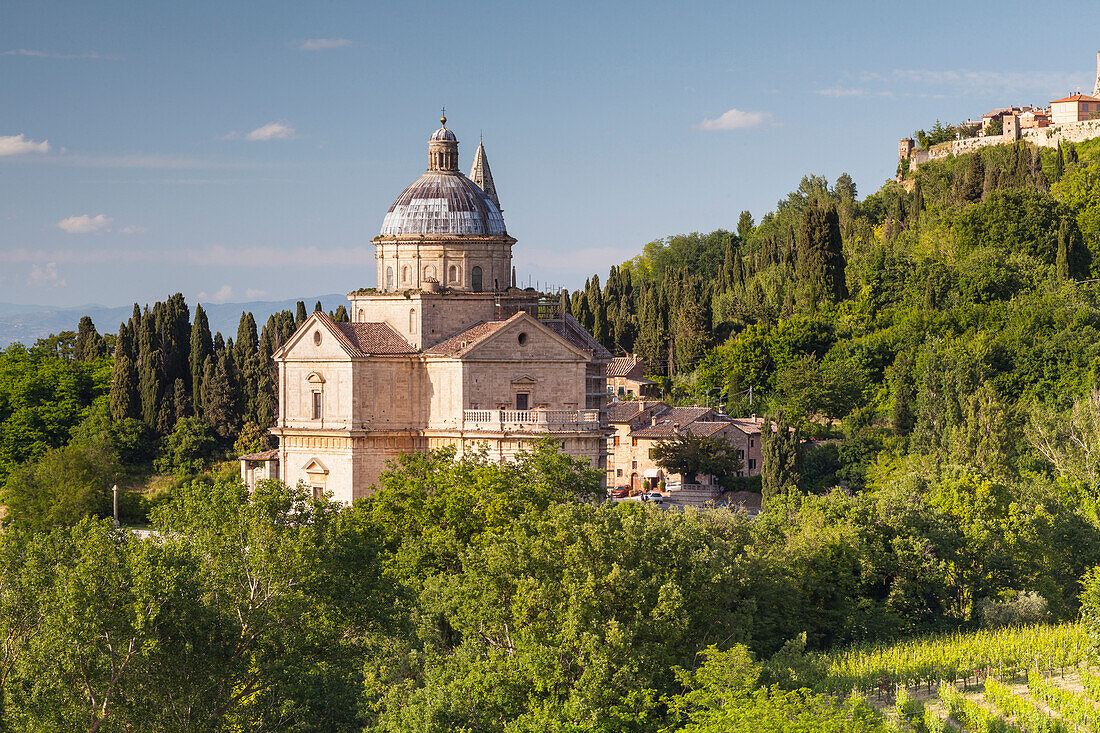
x,y
19,144
50,55
271,131
252,293
45,276
324,44
85,224
940,83
735,119
224,293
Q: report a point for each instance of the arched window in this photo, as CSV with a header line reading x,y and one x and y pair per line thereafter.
x,y
452,274
412,320
429,272
405,274
389,278
475,277
361,316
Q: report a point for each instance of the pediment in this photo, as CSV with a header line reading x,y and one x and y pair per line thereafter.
x,y
315,466
524,379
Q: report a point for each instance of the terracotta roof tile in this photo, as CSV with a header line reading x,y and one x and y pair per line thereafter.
x,y
620,366
1077,98
372,339
622,412
465,339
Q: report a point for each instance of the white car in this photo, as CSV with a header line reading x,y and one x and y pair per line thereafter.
x,y
655,496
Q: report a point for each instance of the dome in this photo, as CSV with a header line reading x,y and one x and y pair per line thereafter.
x,y
443,202
442,134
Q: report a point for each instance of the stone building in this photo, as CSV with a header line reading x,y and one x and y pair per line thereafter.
x,y
637,426
1074,108
626,379
444,352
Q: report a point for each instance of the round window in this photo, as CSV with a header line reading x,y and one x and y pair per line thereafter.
x,y
316,338
522,338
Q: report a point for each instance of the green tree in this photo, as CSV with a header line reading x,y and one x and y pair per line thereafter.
x,y
125,396
780,458
973,179
689,454
745,225
89,345
63,486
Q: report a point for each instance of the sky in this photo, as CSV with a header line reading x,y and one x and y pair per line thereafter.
x,y
244,151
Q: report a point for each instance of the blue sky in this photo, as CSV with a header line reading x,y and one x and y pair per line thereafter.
x,y
240,151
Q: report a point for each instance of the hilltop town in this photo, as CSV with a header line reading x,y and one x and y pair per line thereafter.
x,y
1070,119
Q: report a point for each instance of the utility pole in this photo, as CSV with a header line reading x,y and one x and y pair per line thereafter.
x,y
114,490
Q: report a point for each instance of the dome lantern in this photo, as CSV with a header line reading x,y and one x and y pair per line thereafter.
x,y
443,149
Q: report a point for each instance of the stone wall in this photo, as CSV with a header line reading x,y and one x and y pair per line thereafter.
x,y
1043,137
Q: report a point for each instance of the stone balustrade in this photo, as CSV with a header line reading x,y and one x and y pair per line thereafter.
x,y
544,421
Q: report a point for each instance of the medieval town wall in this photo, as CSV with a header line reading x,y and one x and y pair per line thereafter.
x,y
1043,137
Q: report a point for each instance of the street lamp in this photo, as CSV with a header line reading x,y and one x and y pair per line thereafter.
x,y
114,490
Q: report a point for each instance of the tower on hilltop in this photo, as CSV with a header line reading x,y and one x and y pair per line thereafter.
x,y
1096,87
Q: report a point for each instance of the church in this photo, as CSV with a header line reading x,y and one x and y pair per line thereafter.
x,y
446,351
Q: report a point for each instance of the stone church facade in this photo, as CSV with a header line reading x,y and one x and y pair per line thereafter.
x,y
444,352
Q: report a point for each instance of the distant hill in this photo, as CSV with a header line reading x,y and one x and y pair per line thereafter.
x,y
27,323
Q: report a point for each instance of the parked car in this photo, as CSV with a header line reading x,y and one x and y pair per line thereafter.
x,y
655,496
621,492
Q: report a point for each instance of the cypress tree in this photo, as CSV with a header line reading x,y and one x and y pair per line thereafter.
x,y
781,458
1061,265
317,307
1071,153
247,341
726,277
150,384
1023,164
989,185
916,204
89,345
124,398
219,343
176,339
1035,170
565,302
820,255
299,315
599,323
181,399
202,346
1059,164
221,407
341,315
624,326
974,178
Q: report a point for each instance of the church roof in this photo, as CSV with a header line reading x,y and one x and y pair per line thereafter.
x,y
464,340
372,339
443,202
